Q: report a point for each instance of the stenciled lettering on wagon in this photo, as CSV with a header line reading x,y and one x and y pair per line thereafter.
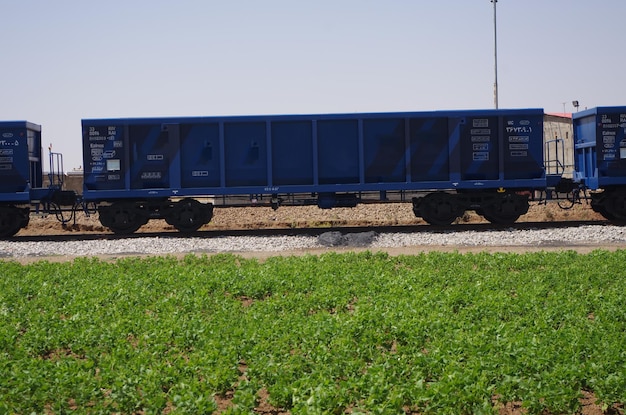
x,y
95,134
610,126
8,143
151,175
605,119
480,131
526,129
481,139
480,123
200,173
112,132
6,152
154,157
519,139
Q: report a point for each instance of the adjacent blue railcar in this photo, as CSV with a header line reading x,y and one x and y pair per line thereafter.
x,y
20,171
600,158
21,177
489,161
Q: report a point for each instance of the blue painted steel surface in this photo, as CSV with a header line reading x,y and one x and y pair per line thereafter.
x,y
169,157
600,147
20,160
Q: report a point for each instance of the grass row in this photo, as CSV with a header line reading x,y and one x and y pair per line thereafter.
x,y
431,333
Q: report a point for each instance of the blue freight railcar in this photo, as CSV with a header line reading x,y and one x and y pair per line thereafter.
x,y
451,161
21,177
20,171
600,158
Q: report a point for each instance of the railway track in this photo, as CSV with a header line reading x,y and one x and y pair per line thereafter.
x,y
63,236
583,236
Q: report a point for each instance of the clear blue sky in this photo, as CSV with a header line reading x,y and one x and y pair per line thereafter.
x,y
65,60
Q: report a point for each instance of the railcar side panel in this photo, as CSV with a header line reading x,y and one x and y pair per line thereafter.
x,y
430,142
105,157
522,154
480,142
153,149
200,150
384,142
338,151
292,153
246,150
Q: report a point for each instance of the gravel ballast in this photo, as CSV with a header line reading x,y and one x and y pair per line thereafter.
x,y
587,235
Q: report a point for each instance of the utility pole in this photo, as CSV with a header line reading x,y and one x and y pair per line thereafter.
x,y
495,55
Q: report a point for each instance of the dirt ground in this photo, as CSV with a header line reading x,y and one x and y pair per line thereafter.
x,y
290,217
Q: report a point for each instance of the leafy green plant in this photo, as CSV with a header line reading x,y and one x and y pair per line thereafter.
x,y
366,333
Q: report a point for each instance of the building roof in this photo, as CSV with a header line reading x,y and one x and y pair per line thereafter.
x,y
560,114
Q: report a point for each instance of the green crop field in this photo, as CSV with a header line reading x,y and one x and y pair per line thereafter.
x,y
338,333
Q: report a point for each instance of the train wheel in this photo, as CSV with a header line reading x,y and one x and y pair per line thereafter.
x,y
11,221
505,210
122,217
614,207
439,209
188,215
601,209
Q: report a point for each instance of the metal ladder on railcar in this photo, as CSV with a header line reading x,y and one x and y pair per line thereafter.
x,y
564,190
58,201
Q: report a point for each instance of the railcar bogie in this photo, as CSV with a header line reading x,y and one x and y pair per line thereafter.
x,y
123,217
441,208
127,216
188,215
438,208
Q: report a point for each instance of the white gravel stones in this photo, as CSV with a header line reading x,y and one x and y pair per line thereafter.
x,y
581,235
155,245
588,235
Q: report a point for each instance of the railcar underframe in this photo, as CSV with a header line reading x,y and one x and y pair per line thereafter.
x,y
437,208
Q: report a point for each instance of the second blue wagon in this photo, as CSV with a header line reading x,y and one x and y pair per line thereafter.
x,y
446,162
